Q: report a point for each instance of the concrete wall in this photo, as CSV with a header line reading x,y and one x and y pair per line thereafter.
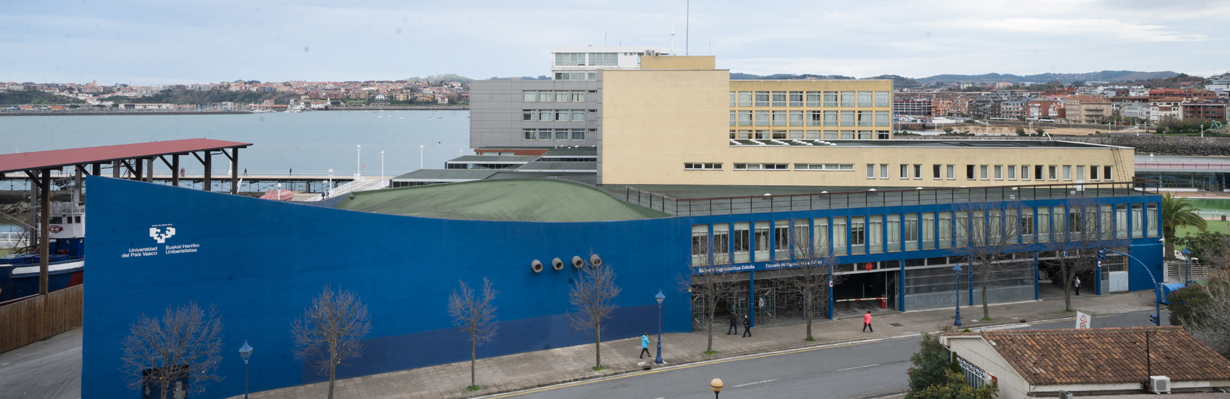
x,y
976,350
678,62
261,262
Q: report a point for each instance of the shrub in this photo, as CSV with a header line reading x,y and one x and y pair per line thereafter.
x,y
1184,302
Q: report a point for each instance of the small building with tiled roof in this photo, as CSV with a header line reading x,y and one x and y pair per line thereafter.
x,y
1100,361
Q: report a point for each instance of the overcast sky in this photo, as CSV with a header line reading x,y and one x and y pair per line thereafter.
x,y
148,41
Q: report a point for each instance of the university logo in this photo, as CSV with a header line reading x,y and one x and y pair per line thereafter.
x,y
158,235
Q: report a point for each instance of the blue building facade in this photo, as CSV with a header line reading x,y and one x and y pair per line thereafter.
x,y
261,262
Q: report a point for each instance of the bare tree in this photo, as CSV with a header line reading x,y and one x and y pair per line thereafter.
x,y
707,282
1084,230
475,315
184,344
593,293
812,274
330,331
986,234
1213,325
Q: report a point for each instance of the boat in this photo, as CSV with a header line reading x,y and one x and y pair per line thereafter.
x,y
19,273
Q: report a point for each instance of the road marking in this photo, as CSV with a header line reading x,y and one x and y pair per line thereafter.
x,y
859,367
752,383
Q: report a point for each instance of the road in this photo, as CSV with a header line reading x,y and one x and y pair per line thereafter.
x,y
854,370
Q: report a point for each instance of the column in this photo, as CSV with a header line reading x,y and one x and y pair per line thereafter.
x,y
207,181
44,225
235,170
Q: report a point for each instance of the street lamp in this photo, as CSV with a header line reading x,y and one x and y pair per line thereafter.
x,y
660,298
957,318
330,179
278,197
382,167
716,384
245,352
1187,261
358,169
420,156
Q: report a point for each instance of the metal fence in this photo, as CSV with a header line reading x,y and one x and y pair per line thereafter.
x,y
872,198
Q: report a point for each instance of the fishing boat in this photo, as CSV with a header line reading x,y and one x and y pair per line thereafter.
x,y
19,273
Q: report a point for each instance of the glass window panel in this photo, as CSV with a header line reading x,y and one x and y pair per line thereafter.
x,y
761,242
745,99
546,96
781,240
780,118
813,98
742,242
530,96
762,99
864,99
779,99
847,118
858,235
830,99
840,239
762,118
882,99
822,236
875,234
796,99
945,229
847,99
796,118
928,231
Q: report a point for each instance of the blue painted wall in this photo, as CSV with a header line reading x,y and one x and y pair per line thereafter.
x,y
260,262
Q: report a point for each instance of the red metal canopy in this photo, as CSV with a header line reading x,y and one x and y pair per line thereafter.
x,y
56,159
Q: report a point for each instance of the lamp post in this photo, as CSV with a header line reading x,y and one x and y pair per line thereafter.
x,y
330,179
358,155
420,156
957,318
1156,318
245,352
382,167
1187,263
278,197
716,385
660,298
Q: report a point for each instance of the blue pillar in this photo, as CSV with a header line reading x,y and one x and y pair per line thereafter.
x,y
751,297
1097,277
970,282
901,284
1035,275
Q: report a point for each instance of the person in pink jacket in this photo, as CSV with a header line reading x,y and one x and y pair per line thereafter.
x,y
867,322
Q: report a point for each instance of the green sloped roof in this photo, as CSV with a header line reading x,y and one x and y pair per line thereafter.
x,y
539,200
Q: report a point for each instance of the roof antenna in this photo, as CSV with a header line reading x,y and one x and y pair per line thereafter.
x,y
672,31
687,19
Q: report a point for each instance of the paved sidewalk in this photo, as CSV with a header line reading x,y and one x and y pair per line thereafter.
x,y
548,367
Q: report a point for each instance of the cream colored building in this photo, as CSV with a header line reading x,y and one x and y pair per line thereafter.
x,y
662,124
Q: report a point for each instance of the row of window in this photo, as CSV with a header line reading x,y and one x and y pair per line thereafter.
x,y
772,166
857,235
811,118
578,59
563,115
576,76
553,96
809,99
554,134
809,134
997,172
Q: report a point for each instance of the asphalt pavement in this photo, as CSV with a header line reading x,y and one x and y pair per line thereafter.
x,y
49,369
862,369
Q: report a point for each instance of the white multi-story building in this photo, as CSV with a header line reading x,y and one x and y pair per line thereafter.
x,y
583,63
1134,110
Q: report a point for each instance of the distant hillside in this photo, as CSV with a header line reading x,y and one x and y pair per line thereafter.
x,y
1066,78
784,76
206,97
35,98
898,81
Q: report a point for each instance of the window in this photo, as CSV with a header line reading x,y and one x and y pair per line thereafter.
x,y
839,235
1121,221
761,135
1051,172
746,134
825,166
950,172
1067,172
1024,172
1106,173
969,172
847,99
1044,224
796,118
733,118
745,99
544,134
999,172
562,96
762,118
864,99
732,99
1027,225
882,99
883,118
760,243
884,171
813,135
578,96
866,135
865,118
546,115
779,134
905,172
762,99
918,172
910,230
871,171
603,59
813,98
578,134
1093,172
780,118
1038,173
721,239
781,240
700,244
530,96
745,118
858,236
875,234
928,231
982,172
743,242
830,99
702,166
882,135
578,115
569,59
561,134
1080,172
530,134
815,118
779,99
1137,220
830,135
546,96
847,118
529,115
892,232
1153,216
796,134
762,166
847,134
830,118
1011,172
796,99
945,229
562,115
822,236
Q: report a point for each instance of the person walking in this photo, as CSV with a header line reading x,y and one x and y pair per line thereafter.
x,y
1077,284
644,346
747,326
734,324
867,322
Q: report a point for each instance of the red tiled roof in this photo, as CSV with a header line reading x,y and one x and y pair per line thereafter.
x,y
1107,355
74,156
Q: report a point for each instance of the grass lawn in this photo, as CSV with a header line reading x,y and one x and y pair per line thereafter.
x,y
1213,225
5,251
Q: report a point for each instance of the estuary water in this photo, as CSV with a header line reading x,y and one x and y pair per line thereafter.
x,y
308,143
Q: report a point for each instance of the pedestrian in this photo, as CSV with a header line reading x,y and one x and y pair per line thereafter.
x,y
747,326
245,171
867,322
734,324
644,346
1077,284
291,172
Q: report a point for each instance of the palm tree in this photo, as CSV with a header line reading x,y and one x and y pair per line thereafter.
x,y
1176,213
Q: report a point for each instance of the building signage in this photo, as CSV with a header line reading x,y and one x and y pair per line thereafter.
x,y
160,234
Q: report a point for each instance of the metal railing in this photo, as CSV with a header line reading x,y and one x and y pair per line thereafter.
x,y
864,199
1182,165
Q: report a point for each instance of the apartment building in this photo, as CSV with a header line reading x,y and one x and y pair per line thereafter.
x,y
1044,109
1207,109
1165,107
1087,109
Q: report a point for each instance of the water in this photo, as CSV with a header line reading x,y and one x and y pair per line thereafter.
x,y
308,143
1210,207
